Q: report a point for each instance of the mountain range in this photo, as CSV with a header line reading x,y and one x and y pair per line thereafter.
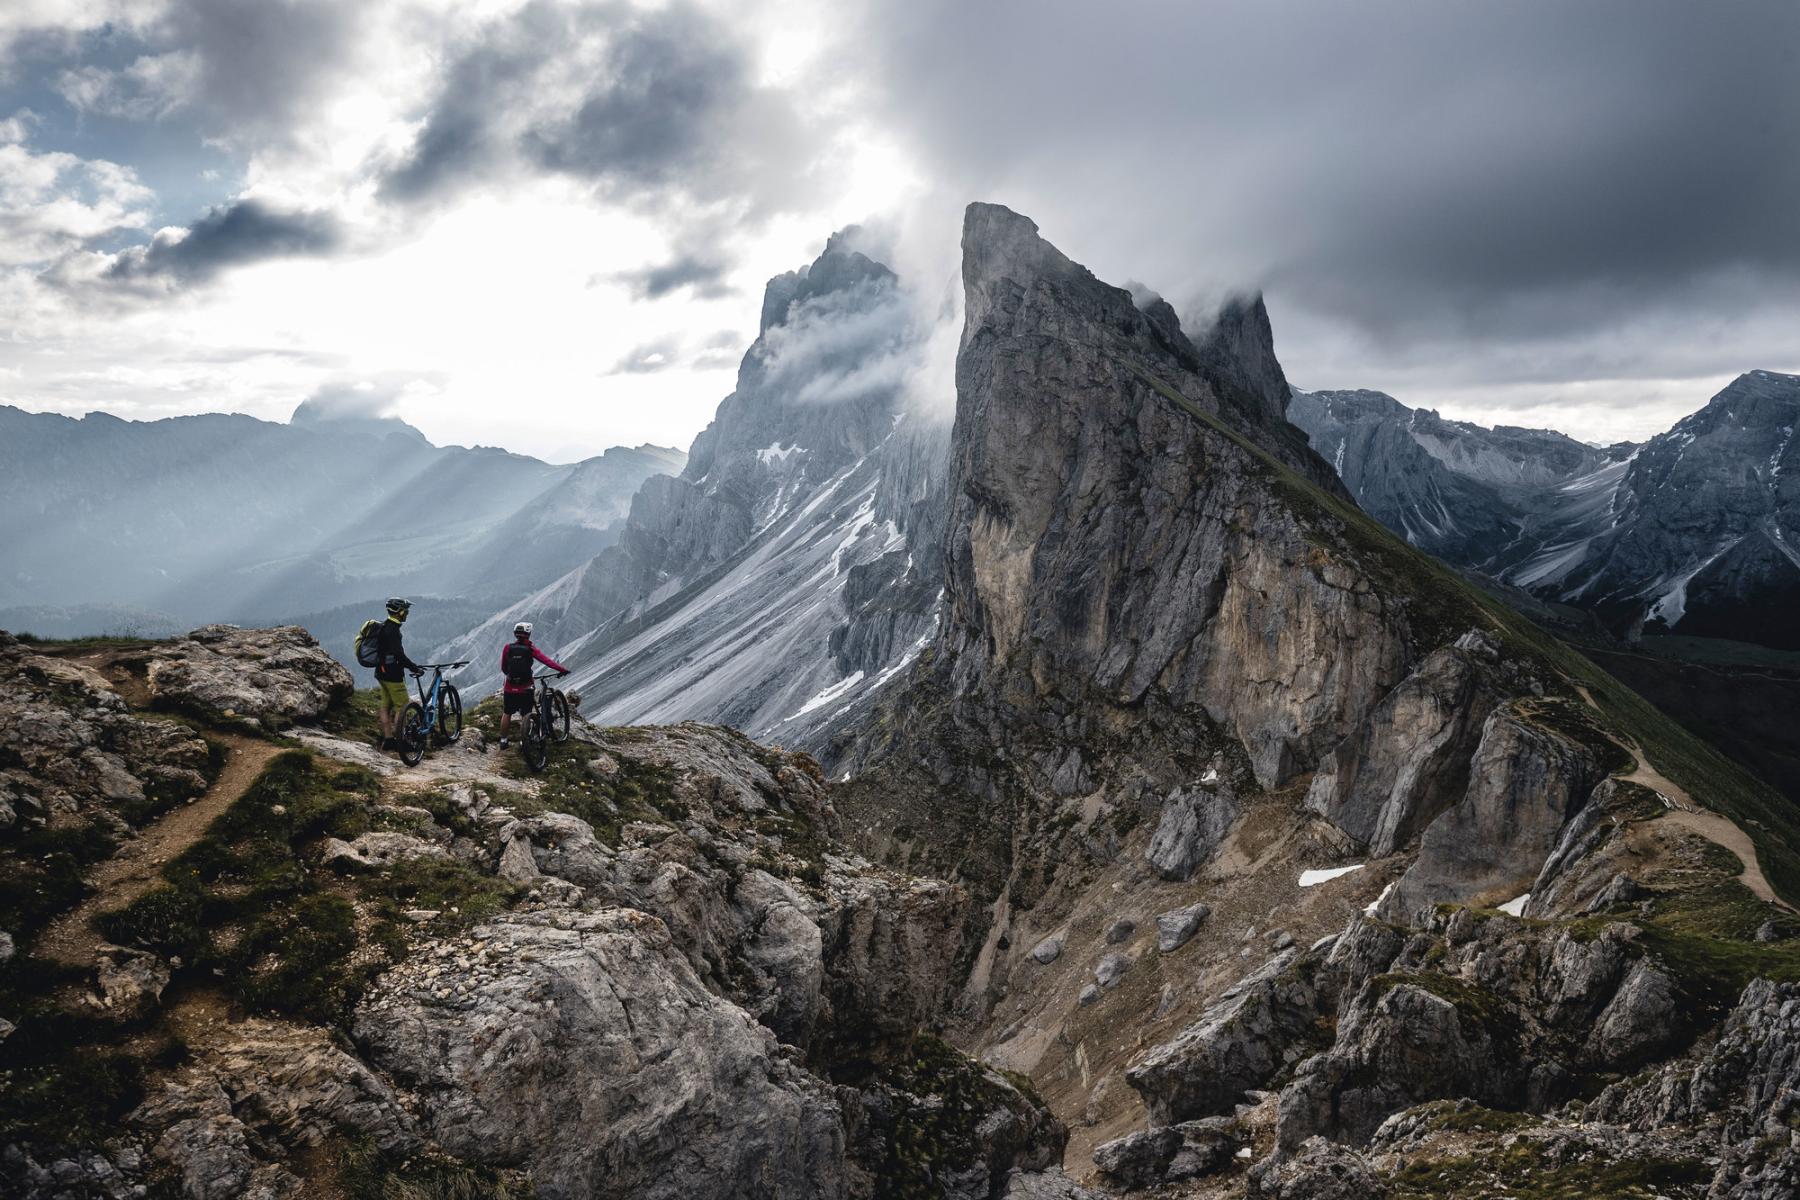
x,y
1695,531
186,520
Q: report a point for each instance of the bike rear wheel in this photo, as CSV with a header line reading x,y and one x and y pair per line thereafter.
x,y
411,736
535,746
449,714
559,716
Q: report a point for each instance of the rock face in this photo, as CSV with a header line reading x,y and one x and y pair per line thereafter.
x,y
1694,531
1238,1044
73,746
591,1053
1525,782
792,568
1091,549
275,676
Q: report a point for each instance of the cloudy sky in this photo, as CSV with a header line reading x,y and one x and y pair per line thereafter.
x,y
545,224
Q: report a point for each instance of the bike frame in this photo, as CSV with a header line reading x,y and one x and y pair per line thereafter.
x,y
429,702
543,698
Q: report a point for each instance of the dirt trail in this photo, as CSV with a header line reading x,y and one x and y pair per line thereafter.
x,y
1712,826
137,866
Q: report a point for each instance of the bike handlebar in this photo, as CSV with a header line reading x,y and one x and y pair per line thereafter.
x,y
444,666
550,675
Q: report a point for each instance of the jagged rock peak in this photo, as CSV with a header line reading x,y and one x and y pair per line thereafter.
x,y
1239,349
838,268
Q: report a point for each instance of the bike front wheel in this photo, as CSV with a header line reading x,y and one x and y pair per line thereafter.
x,y
536,744
412,735
449,714
559,716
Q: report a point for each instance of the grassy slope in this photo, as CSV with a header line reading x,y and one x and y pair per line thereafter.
x,y
1441,605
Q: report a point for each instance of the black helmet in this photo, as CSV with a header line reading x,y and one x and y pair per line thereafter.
x,y
397,607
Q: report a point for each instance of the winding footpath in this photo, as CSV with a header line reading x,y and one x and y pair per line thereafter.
x,y
1682,811
72,938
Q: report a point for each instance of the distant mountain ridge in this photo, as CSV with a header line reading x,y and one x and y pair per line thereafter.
x,y
227,517
1696,530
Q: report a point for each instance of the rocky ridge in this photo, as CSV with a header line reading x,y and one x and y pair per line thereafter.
x,y
1174,667
1693,531
654,971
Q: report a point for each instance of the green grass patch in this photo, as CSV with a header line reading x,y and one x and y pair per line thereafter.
x,y
1525,1172
244,901
365,1173
1456,1118
463,894
940,1096
41,874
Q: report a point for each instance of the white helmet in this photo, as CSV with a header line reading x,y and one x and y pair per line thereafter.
x,y
522,629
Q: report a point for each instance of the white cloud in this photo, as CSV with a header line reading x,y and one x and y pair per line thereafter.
x,y
153,86
55,203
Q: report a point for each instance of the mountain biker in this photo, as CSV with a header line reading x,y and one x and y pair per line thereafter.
x,y
390,668
515,663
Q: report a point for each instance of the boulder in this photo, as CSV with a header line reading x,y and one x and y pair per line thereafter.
x,y
1120,930
1238,1043
130,982
1640,1020
1111,969
378,851
1048,950
1194,822
1318,1170
1044,1185
274,676
1175,927
1155,1157
1403,1039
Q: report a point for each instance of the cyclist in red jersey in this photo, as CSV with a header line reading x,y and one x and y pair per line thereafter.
x,y
515,664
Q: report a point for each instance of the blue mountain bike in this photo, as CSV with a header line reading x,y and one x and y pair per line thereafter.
x,y
436,716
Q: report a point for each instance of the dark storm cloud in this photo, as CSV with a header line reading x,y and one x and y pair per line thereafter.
x,y
703,274
1419,173
646,104
245,232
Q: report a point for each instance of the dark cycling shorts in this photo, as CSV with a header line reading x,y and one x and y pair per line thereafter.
x,y
517,703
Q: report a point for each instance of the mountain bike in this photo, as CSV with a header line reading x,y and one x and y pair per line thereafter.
x,y
548,721
435,716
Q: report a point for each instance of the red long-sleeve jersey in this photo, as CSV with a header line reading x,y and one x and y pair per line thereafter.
x,y
535,653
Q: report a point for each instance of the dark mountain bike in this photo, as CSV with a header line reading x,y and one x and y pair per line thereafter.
x,y
548,721
436,716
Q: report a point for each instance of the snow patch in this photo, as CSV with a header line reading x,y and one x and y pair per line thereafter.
x,y
1325,874
1385,892
779,453
1516,906
846,684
